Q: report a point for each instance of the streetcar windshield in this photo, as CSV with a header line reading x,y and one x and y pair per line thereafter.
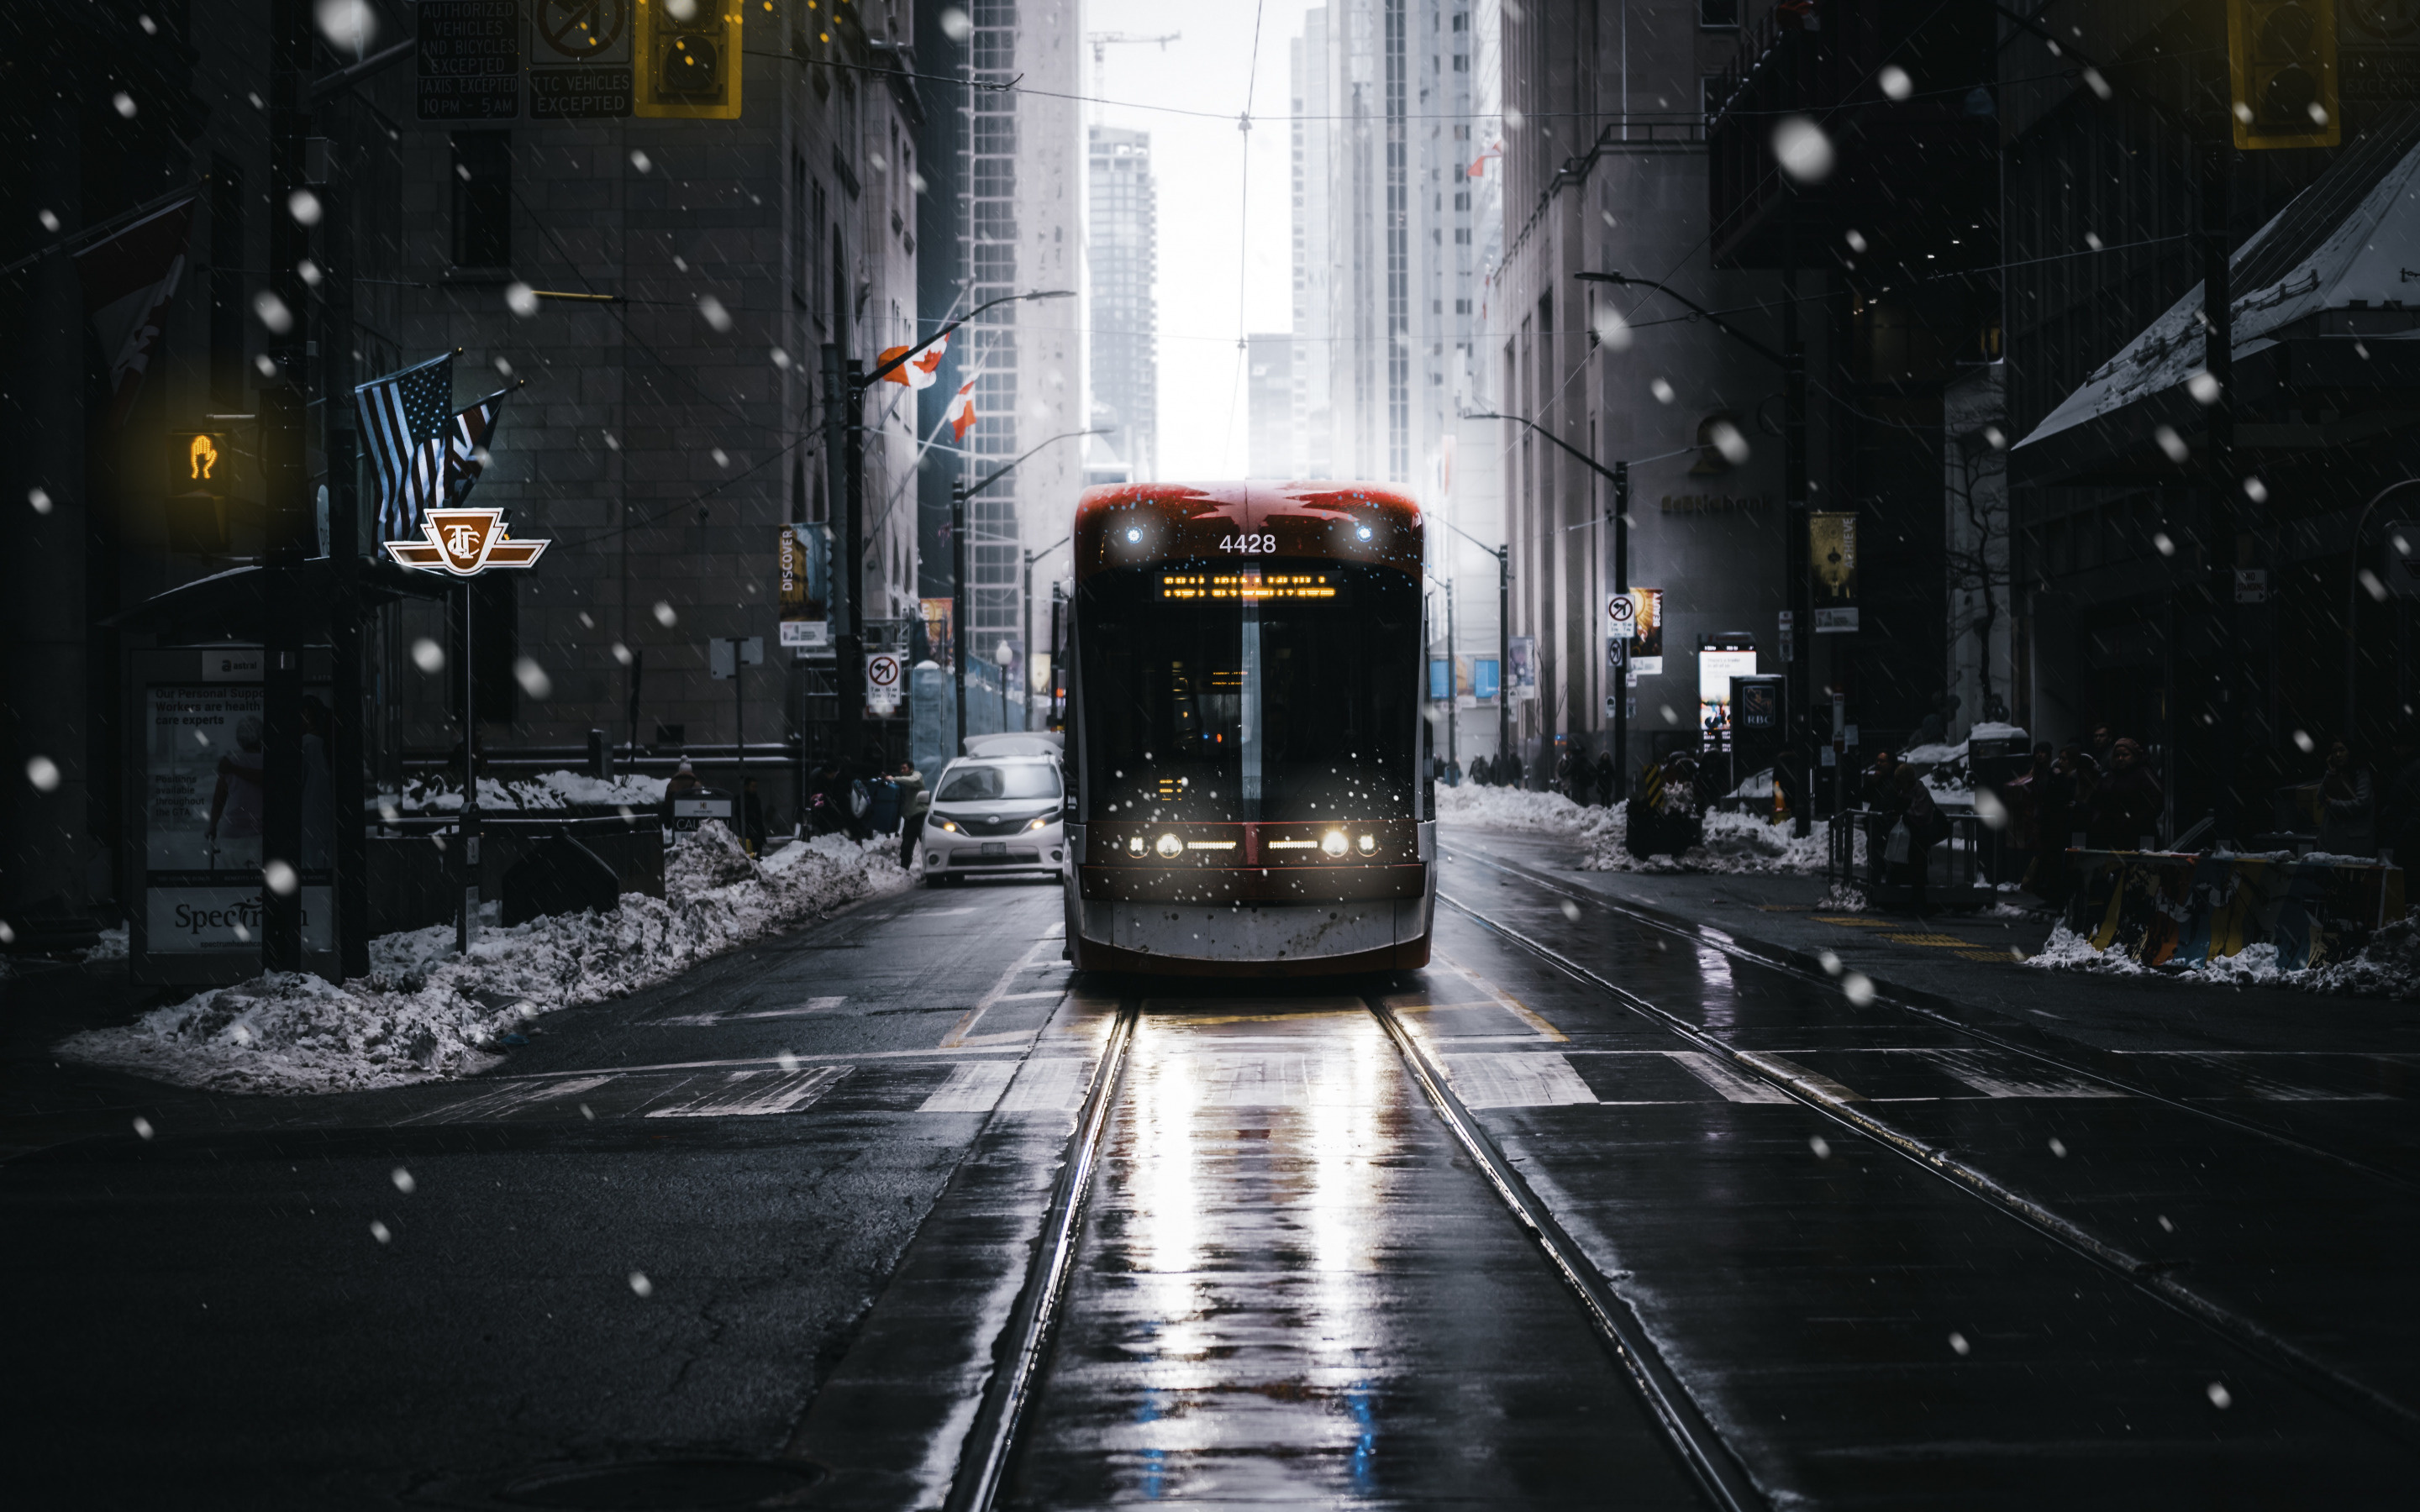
x,y
1287,690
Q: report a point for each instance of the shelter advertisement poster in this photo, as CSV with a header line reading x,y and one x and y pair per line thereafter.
x,y
1832,562
1521,676
1716,670
202,791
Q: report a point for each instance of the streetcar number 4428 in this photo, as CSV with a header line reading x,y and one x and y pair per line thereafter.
x,y
1250,545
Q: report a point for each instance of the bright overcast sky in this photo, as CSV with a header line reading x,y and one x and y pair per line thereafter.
x,y
1210,289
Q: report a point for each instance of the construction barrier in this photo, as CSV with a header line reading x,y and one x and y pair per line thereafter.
x,y
2182,910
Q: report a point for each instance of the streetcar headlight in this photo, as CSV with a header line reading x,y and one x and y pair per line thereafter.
x,y
1134,536
1134,844
1369,844
1363,532
1170,846
1333,843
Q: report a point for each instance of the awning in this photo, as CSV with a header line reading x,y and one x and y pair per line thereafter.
x,y
2327,335
232,606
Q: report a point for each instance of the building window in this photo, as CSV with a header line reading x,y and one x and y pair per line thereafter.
x,y
482,199
1461,23
1462,236
1462,63
1718,15
1462,306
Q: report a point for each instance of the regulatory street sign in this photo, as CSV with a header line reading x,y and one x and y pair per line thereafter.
x,y
884,670
725,655
465,542
1623,611
579,59
469,60
2252,585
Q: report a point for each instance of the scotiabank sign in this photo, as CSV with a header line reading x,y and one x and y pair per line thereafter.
x,y
218,917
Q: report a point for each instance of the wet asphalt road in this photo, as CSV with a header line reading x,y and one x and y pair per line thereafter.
x,y
780,1211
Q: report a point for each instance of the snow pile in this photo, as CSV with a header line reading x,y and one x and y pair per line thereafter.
x,y
2387,966
114,946
1548,813
424,1012
1733,841
547,789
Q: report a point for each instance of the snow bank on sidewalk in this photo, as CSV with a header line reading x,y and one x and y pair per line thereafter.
x,y
424,1012
1733,841
1516,808
2387,966
545,789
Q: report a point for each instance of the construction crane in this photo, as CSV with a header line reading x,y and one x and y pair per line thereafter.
x,y
1101,43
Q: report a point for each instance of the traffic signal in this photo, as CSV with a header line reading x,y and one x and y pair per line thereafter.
x,y
201,464
2281,58
687,62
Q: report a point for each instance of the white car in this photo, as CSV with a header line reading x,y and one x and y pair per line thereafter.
x,y
995,816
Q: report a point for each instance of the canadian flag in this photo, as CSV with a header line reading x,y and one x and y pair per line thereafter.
x,y
961,414
1479,167
918,372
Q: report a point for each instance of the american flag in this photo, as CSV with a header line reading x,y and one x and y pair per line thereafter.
x,y
405,422
468,437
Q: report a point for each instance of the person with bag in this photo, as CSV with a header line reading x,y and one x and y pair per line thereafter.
x,y
1916,826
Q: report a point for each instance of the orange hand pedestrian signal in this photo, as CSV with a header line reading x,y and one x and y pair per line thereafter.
x,y
204,456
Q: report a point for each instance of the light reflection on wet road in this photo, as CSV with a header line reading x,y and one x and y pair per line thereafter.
x,y
1293,1290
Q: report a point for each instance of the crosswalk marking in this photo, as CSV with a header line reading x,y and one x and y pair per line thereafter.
x,y
1719,1075
1791,1070
507,1100
2003,1076
1053,1086
973,1087
1531,1080
701,1021
2271,1090
752,1093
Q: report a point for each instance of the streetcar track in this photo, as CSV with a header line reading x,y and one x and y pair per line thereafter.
x,y
1017,1357
2155,1277
993,1442
1717,1471
1787,965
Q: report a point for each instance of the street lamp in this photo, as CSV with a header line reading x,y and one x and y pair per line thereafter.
x,y
1618,475
1030,558
1503,555
959,632
1791,358
844,389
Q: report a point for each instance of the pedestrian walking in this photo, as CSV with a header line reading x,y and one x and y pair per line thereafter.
x,y
2123,813
1605,777
2347,805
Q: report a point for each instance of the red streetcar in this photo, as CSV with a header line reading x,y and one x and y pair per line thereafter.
x,y
1246,739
